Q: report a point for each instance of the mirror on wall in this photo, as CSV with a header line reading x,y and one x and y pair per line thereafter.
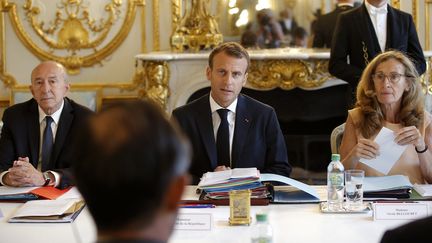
x,y
236,17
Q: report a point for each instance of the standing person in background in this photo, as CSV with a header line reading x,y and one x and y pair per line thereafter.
x,y
325,24
288,23
269,34
364,32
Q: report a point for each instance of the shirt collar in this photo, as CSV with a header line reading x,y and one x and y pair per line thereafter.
x,y
55,116
215,106
374,11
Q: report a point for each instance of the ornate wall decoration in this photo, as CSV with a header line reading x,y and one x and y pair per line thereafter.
x,y
73,30
196,30
151,80
287,74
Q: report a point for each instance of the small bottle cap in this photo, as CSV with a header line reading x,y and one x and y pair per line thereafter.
x,y
335,157
261,217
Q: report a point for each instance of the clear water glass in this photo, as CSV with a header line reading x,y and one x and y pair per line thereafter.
x,y
354,189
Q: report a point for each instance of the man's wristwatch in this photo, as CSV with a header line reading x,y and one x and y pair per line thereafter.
x,y
47,178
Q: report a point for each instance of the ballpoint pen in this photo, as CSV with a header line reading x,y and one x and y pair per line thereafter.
x,y
197,206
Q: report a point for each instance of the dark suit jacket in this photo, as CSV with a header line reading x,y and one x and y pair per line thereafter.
x,y
417,231
20,136
354,32
325,26
257,142
287,31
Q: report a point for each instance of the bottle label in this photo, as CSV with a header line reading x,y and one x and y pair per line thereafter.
x,y
336,179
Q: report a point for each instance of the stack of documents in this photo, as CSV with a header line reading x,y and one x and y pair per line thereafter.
x,y
235,179
216,185
395,186
48,211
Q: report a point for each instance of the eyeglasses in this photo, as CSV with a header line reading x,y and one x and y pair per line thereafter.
x,y
392,77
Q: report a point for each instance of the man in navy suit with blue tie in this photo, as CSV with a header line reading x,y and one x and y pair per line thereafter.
x,y
228,129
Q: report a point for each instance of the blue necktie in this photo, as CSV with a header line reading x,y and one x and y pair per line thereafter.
x,y
222,139
47,143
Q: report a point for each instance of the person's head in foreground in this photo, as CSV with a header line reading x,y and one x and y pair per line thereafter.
x,y
132,172
389,90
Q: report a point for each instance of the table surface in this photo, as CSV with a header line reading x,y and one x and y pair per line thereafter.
x,y
290,223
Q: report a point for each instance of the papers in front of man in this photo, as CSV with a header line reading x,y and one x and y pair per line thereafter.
x,y
394,186
425,190
234,179
390,152
8,193
48,211
217,185
294,192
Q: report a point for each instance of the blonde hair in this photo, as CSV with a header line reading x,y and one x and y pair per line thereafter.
x,y
411,112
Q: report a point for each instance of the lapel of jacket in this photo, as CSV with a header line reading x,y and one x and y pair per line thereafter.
x,y
205,127
242,124
33,128
392,31
64,125
367,33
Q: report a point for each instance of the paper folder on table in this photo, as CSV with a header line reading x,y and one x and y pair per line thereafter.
x,y
8,193
295,192
394,186
48,211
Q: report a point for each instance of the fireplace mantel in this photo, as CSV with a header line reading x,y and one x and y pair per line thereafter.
x,y
171,78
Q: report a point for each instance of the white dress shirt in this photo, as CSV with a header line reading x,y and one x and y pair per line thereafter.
x,y
230,117
378,17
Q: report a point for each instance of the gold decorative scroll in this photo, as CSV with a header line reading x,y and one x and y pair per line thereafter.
x,y
151,80
414,10
71,31
428,4
8,79
288,74
176,13
156,32
395,3
197,29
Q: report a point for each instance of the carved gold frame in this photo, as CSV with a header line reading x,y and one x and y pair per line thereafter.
x,y
71,64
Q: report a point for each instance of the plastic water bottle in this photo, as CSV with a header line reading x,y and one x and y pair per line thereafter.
x,y
262,231
335,184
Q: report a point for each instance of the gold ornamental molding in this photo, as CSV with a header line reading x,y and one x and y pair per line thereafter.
x,y
151,80
72,30
428,4
288,74
395,3
196,30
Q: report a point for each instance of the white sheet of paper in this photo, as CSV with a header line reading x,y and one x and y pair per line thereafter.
x,y
45,207
390,152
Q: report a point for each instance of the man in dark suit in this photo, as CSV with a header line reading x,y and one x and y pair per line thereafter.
x,y
228,129
417,231
325,24
364,32
36,138
132,147
287,22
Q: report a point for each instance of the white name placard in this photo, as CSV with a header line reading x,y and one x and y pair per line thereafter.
x,y
194,221
388,211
